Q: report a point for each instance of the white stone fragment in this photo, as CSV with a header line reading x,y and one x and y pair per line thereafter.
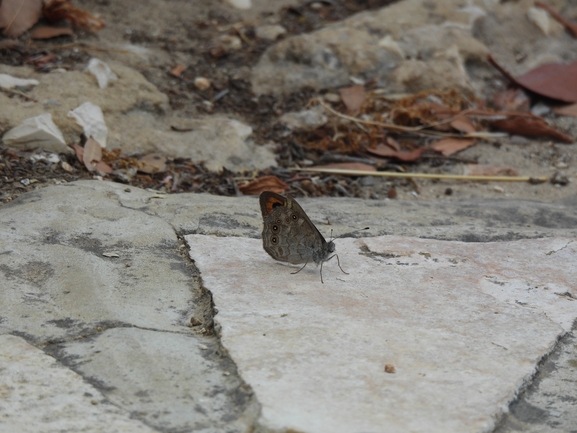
x,y
305,120
540,18
9,82
101,71
239,4
90,117
201,83
270,32
35,132
388,43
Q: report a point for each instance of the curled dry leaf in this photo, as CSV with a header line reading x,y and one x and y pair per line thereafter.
x,y
530,126
353,97
92,154
566,23
263,183
489,170
388,152
449,146
45,32
152,163
58,10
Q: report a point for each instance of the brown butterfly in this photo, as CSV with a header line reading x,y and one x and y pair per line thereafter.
x,y
290,236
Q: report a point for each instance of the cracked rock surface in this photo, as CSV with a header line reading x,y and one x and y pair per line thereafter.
x,y
106,323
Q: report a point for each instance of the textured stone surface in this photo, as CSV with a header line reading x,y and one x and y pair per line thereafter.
x,y
463,324
37,394
125,330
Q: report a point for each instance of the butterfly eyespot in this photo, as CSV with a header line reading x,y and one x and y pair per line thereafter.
x,y
275,228
274,240
278,221
294,216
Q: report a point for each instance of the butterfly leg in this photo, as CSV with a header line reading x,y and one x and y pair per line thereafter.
x,y
338,263
296,272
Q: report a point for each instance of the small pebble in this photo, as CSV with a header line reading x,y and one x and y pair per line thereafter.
x,y
201,83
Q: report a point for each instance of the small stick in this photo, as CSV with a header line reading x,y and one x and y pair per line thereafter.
x,y
416,129
427,175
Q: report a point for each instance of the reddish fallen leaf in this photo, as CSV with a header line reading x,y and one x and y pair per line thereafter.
x,y
39,61
463,124
177,70
489,170
263,183
17,16
530,126
449,146
567,24
388,152
353,97
392,193
567,110
103,167
79,150
92,154
393,143
45,32
152,163
553,80
512,100
58,10
348,166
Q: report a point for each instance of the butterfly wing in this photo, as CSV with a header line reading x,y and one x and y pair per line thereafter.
x,y
289,235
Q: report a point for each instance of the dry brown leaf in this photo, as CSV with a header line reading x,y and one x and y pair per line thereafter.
x,y
348,166
512,100
463,124
152,163
263,183
489,170
567,110
530,126
38,62
58,10
46,32
17,16
393,143
388,152
92,154
177,70
449,146
79,150
353,97
553,80
103,167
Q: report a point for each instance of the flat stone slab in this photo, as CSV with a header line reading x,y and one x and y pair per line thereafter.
x,y
37,394
463,324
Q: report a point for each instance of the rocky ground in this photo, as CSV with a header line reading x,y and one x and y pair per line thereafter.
x,y
128,306
270,60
